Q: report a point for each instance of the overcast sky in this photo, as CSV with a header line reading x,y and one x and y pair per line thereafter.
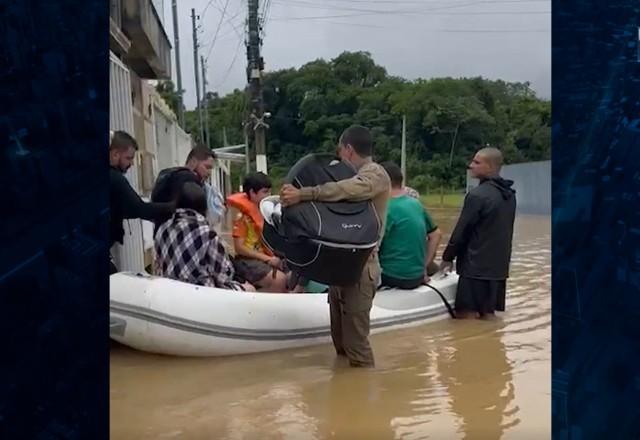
x,y
497,39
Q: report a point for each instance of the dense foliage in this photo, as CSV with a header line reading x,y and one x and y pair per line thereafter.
x,y
447,118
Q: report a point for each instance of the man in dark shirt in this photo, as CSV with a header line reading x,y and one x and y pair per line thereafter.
x,y
481,240
125,202
199,164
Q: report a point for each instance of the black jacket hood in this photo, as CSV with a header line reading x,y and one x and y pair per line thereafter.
x,y
503,185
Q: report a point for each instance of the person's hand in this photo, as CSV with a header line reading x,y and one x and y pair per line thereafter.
x,y
427,278
275,262
248,287
172,206
289,195
446,266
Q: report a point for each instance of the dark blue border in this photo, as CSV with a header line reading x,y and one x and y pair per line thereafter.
x,y
53,227
596,220
53,264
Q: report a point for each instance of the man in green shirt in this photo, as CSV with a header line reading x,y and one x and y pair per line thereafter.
x,y
404,253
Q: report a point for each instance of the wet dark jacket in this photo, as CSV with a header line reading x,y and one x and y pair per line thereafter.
x,y
126,204
168,186
481,240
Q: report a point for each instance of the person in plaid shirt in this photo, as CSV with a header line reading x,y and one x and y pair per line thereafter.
x,y
188,249
411,192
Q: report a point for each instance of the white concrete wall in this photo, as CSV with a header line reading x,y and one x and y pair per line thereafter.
x,y
128,256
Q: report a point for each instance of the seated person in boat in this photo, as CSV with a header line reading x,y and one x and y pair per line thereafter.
x,y
410,239
411,192
188,249
254,261
197,169
432,266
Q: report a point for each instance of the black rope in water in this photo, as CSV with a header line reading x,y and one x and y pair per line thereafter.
x,y
444,300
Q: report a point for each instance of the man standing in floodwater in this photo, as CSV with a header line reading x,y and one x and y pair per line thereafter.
x,y
350,306
481,240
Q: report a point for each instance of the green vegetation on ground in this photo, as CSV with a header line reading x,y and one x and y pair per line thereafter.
x,y
443,200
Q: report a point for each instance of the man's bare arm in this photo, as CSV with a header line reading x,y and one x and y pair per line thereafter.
x,y
434,238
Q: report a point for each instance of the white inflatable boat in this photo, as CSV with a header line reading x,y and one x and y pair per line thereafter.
x,y
170,317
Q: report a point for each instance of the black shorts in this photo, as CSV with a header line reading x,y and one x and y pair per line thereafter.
x,y
398,283
482,296
251,271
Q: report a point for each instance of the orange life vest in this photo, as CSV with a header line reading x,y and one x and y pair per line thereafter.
x,y
241,202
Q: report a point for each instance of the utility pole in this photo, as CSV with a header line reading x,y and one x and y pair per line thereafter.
x,y
255,65
195,69
247,160
176,43
205,101
225,143
453,143
403,151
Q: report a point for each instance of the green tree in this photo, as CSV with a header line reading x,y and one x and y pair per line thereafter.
x,y
167,90
447,118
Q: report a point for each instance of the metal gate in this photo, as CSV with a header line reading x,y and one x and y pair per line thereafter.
x,y
129,256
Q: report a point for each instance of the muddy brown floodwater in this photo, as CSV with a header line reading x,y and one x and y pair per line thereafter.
x,y
445,380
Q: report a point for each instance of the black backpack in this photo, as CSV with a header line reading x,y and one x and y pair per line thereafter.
x,y
327,242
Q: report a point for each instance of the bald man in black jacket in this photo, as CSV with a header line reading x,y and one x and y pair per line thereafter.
x,y
481,241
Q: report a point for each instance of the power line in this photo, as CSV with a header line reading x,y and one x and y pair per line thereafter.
x,y
323,17
233,62
428,11
265,15
238,12
313,5
432,11
234,29
240,40
371,26
492,31
224,10
217,35
230,20
264,8
425,2
320,17
195,68
497,31
204,11
408,2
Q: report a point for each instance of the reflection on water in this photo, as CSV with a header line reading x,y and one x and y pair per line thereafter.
x,y
446,380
